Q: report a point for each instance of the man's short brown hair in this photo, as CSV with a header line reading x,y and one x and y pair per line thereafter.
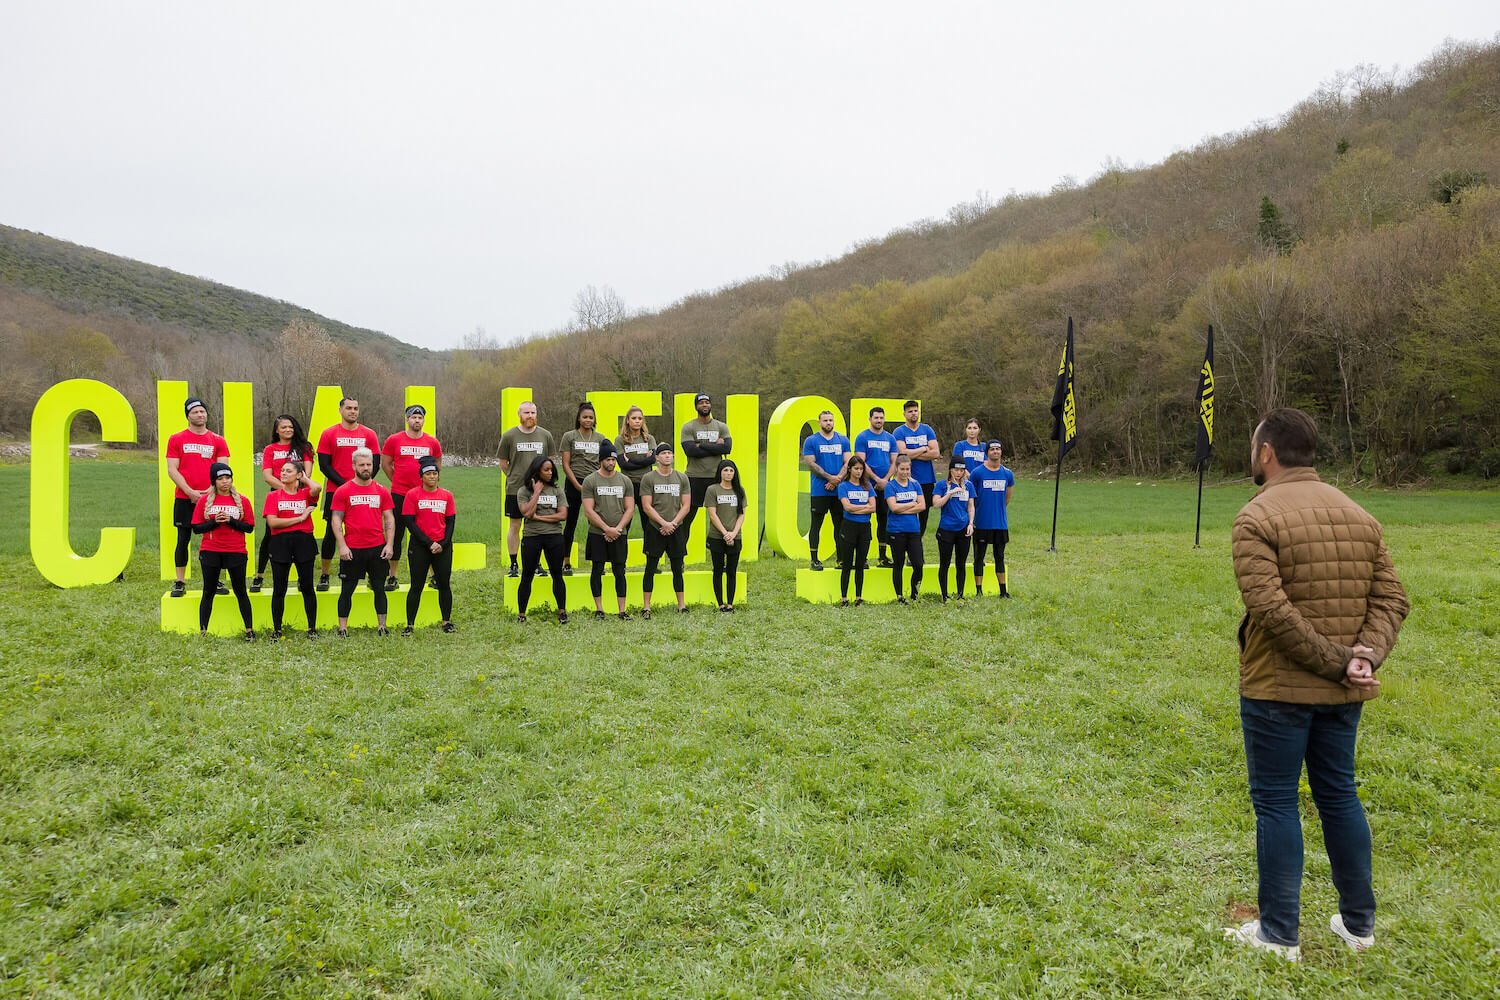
x,y
1292,435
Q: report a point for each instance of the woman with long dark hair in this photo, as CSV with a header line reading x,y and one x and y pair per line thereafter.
x,y
223,518
288,444
725,503
544,507
580,459
857,495
288,512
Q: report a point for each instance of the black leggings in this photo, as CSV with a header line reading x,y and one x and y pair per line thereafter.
x,y
673,547
365,564
570,526
726,560
419,561
951,544
927,509
398,501
999,538
280,576
854,548
906,545
882,514
615,560
263,554
234,568
823,507
533,547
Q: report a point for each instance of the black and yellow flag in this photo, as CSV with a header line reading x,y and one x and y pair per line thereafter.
x,y
1206,404
1064,402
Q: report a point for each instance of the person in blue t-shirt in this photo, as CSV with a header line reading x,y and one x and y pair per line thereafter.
x,y
919,442
857,497
971,449
953,497
903,495
824,453
877,446
993,484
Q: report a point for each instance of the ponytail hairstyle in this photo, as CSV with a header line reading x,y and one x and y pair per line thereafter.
x,y
578,418
739,491
625,425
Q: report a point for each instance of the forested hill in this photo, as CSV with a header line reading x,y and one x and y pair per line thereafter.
x,y
1346,255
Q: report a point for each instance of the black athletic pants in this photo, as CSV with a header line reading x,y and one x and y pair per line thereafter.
x,y
182,520
570,526
263,552
330,546
281,573
398,501
952,544
233,565
698,489
983,538
603,553
366,564
906,545
854,548
882,515
726,560
922,517
419,562
822,507
533,548
675,548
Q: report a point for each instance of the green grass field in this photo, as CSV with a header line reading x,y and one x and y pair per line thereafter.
x,y
1044,797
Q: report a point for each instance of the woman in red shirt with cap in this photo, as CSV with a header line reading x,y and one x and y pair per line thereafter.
x,y
223,518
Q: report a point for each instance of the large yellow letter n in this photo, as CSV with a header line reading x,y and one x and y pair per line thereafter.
x,y
51,425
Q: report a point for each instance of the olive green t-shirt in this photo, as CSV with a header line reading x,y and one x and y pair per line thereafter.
x,y
668,493
635,449
701,433
582,449
723,502
609,494
551,501
521,449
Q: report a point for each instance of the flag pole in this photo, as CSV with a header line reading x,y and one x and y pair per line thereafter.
x,y
1198,526
1056,488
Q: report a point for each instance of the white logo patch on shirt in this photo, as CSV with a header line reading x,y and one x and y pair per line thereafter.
x,y
638,449
546,500
439,505
363,500
351,442
609,491
291,508
214,510
707,435
995,485
884,446
587,447
730,499
859,496
907,496
831,449
202,450
415,450
535,446
917,441
672,489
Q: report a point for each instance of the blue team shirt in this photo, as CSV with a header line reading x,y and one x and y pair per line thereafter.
x,y
828,454
972,454
991,497
956,511
903,494
878,448
916,440
857,495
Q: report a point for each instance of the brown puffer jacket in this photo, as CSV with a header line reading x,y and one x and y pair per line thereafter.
x,y
1317,580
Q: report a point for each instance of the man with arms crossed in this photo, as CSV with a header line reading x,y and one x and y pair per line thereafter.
x,y
520,447
704,441
920,442
336,448
1322,609
877,446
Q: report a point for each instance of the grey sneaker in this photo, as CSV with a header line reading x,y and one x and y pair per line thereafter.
x,y
1248,933
1359,942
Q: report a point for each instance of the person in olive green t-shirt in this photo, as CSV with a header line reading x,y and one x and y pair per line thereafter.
x,y
667,499
635,450
520,447
544,507
704,441
725,503
608,505
580,457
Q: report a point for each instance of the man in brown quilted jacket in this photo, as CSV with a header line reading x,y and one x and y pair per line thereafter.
x,y
1322,609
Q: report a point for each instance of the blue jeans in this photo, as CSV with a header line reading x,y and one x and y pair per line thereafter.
x,y
1279,737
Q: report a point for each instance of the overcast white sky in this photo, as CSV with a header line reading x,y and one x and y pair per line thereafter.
x,y
426,168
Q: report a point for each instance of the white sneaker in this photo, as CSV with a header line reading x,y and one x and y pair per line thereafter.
x,y
1355,941
1249,933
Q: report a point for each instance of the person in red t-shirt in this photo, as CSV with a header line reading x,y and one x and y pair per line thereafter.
x,y
429,515
336,447
402,451
190,452
288,444
288,511
363,524
223,518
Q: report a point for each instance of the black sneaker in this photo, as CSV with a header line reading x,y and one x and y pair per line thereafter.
x,y
624,616
844,603
221,590
312,633
408,631
1004,593
598,616
885,562
914,597
449,627
322,586
178,588
567,570
945,598
256,583
342,633
382,630
520,619
859,602
276,635
646,615
724,608
816,566
562,618
683,610
512,573
249,635
541,571
902,601
961,597
729,608
391,583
